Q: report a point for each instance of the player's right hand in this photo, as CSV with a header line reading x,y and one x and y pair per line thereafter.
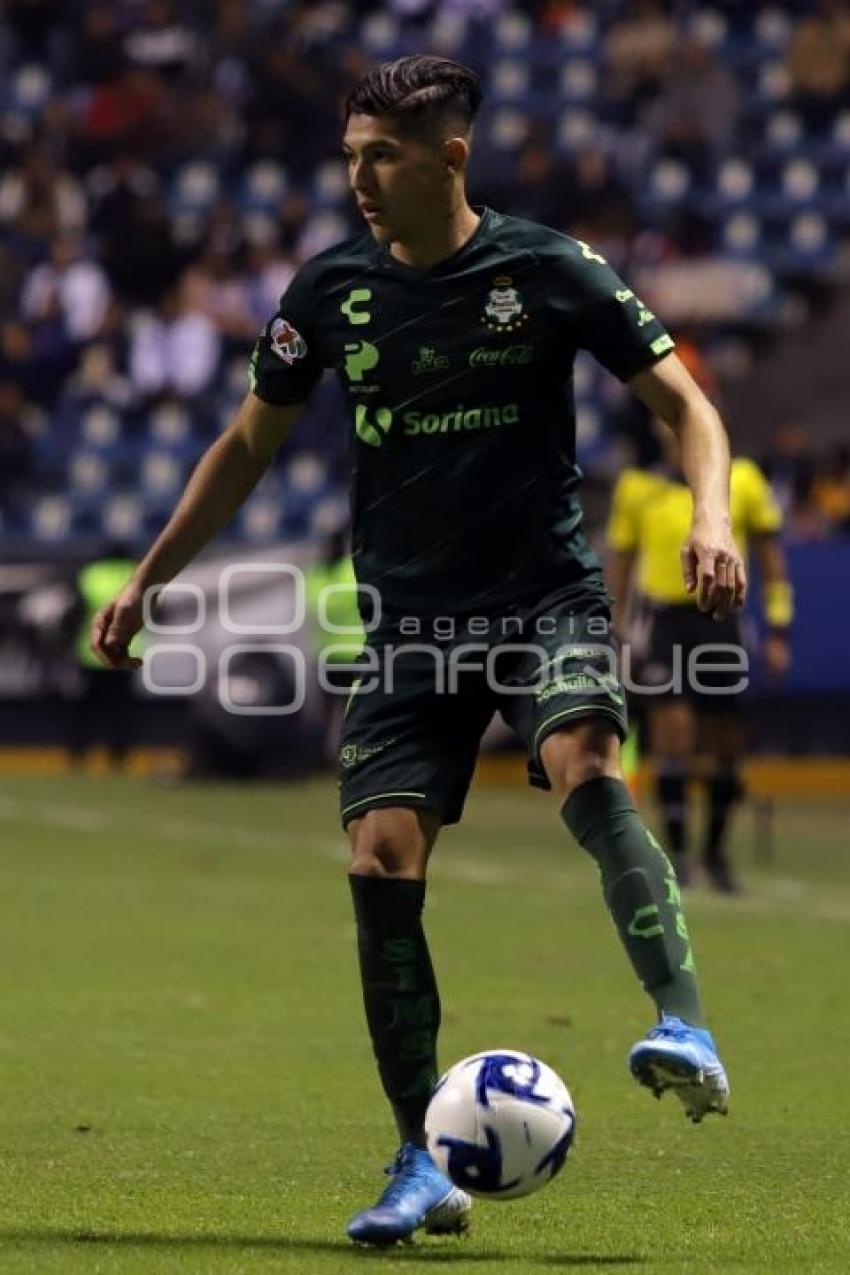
x,y
115,626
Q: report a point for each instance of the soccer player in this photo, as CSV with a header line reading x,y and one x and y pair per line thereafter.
x,y
453,330
651,511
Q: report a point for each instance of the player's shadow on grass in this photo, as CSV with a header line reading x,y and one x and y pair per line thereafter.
x,y
454,1251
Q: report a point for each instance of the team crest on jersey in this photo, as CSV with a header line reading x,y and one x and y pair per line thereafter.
x,y
287,342
504,310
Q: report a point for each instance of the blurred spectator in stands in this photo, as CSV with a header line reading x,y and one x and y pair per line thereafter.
x,y
213,286
133,112
161,42
12,273
114,189
598,206
173,349
790,466
639,51
538,187
98,49
35,29
268,274
37,358
97,379
17,469
70,285
36,189
831,488
139,252
819,61
696,113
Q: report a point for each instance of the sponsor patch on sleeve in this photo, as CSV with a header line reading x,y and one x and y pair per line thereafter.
x,y
287,342
662,343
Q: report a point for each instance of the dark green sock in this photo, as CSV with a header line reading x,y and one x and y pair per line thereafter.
x,y
640,889
399,993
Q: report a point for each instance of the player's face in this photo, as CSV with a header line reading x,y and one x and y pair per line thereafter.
x,y
398,181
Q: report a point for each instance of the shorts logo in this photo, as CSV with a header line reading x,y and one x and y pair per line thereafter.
x,y
368,431
354,754
504,310
286,342
428,360
357,297
360,357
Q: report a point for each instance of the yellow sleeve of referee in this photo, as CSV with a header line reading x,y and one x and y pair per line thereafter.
x,y
761,514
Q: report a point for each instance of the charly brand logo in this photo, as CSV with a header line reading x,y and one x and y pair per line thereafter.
x,y
461,418
428,360
360,357
352,306
286,342
504,310
372,431
510,356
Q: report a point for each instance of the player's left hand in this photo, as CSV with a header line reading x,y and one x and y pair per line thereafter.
x,y
713,568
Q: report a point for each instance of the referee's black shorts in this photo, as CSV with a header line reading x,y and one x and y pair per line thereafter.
x,y
697,658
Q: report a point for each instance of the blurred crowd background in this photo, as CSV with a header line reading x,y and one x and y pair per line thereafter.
x,y
165,165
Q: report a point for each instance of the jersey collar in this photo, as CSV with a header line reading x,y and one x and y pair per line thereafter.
x,y
449,264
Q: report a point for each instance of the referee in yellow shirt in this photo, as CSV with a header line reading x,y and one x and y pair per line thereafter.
x,y
649,521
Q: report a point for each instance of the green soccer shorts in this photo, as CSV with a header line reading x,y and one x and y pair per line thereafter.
x,y
422,700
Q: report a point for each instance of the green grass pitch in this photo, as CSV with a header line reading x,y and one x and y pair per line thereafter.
x,y
187,1086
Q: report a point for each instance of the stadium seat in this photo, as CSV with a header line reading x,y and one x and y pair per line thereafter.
x,y
263,186
123,517
508,80
100,426
772,30
508,129
195,188
306,473
580,31
773,82
783,131
169,425
261,520
329,515
669,183
380,34
709,27
88,473
330,183
51,518
513,31
575,128
579,80
29,90
448,33
741,235
161,475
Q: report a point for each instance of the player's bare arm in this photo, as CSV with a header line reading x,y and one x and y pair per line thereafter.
x,y
222,480
777,598
620,570
711,561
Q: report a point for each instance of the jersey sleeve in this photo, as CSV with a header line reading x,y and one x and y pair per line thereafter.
x,y
622,532
762,512
286,362
606,316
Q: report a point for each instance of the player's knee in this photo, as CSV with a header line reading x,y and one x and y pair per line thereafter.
x,y
388,843
572,757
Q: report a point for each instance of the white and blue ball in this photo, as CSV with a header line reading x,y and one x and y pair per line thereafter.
x,y
500,1124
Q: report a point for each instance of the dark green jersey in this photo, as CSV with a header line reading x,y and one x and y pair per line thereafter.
x,y
459,383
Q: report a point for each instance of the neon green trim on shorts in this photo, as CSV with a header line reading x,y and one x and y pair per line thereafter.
x,y
587,710
378,796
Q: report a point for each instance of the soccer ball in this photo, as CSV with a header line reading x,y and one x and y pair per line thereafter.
x,y
500,1124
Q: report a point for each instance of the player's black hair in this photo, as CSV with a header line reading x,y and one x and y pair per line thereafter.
x,y
421,94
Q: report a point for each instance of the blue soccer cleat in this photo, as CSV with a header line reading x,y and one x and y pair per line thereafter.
x,y
676,1056
418,1196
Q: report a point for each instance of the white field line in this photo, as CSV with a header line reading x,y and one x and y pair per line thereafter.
x,y
778,894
